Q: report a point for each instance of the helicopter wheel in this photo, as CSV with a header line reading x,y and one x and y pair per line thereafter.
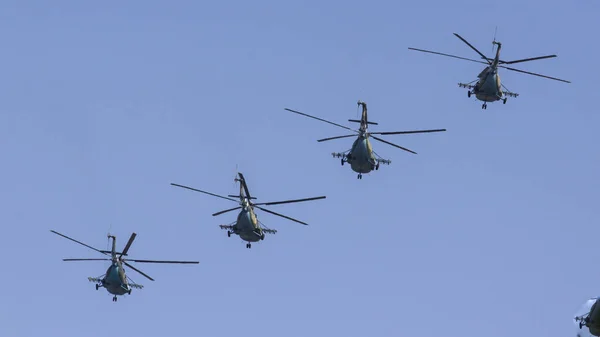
x,y
580,325
129,292
248,245
469,93
115,298
504,101
342,160
484,106
96,287
228,234
359,176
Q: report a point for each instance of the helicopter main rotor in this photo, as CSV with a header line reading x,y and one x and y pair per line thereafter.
x,y
246,199
364,132
120,259
500,62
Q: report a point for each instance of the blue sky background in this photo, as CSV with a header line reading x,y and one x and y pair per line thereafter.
x,y
490,230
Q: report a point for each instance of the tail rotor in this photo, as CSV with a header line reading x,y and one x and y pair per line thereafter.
x,y
235,175
494,43
108,236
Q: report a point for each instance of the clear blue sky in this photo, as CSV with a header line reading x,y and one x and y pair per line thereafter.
x,y
490,230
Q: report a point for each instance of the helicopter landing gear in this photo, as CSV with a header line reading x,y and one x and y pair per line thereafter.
x,y
468,93
377,167
129,292
504,101
580,325
342,160
97,287
248,245
115,298
262,236
484,106
359,176
228,234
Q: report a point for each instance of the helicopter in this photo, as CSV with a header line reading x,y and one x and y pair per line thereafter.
x,y
590,319
247,226
115,281
489,87
361,157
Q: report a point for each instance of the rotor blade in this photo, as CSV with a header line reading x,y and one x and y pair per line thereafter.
x,y
281,215
197,190
86,259
131,238
139,271
528,59
227,210
392,144
320,119
81,243
406,132
527,72
290,201
457,57
336,137
159,261
243,181
470,45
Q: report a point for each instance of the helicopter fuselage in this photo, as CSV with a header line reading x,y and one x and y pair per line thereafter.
x,y
360,157
247,226
488,88
592,321
115,281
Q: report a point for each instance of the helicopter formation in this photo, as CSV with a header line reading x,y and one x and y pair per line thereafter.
x,y
361,158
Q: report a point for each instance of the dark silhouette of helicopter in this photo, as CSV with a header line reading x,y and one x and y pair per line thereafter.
x,y
115,281
361,157
247,226
489,87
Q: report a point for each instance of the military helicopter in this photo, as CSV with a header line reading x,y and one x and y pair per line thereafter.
x,y
489,87
591,317
247,226
115,281
361,157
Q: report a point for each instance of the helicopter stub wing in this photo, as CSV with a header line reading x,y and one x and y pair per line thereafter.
x,y
136,286
464,85
95,279
230,227
270,231
384,161
510,94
